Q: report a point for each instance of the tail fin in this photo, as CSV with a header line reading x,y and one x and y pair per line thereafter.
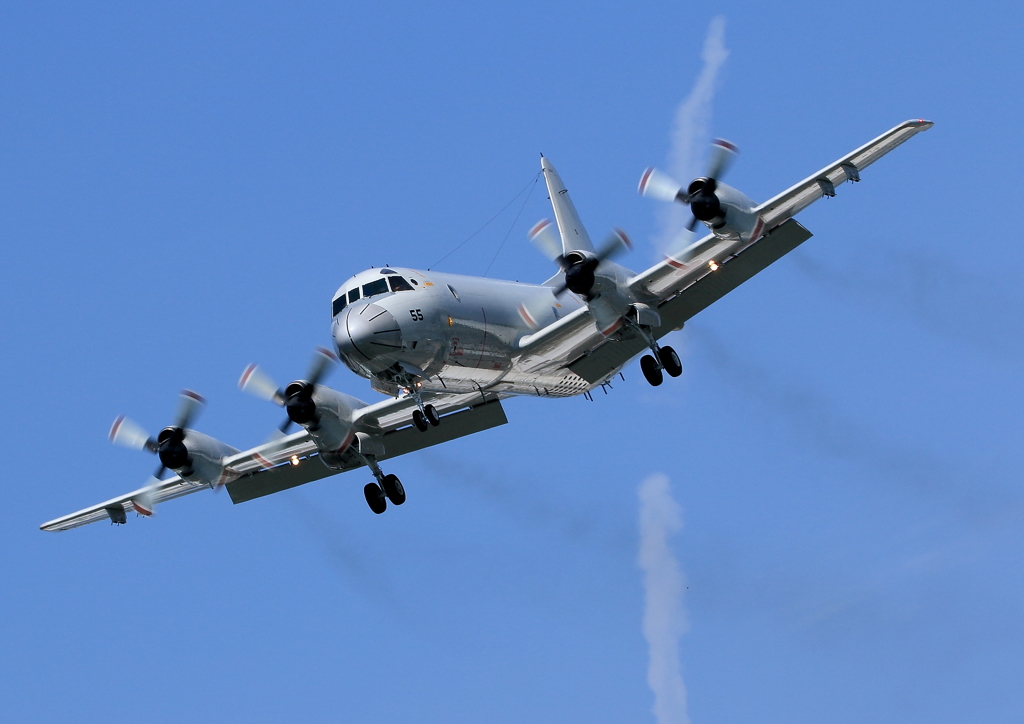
x,y
574,236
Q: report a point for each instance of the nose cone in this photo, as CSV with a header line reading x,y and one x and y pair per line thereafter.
x,y
368,336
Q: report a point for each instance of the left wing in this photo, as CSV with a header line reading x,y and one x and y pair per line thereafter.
x,y
674,274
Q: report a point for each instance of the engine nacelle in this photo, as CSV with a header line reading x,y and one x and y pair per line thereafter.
x,y
729,213
331,427
195,457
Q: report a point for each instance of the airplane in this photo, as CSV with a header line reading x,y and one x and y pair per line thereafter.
x,y
447,349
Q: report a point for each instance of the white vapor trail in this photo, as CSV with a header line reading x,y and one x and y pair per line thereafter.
x,y
664,616
692,130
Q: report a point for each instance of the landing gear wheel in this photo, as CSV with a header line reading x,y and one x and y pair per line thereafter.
x,y
670,361
420,420
375,498
431,414
393,489
652,373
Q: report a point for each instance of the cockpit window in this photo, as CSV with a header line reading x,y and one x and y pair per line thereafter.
x,y
378,287
388,271
353,295
338,305
398,284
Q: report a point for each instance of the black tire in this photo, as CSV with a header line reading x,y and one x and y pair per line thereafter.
x,y
419,420
652,373
393,489
670,361
431,414
375,498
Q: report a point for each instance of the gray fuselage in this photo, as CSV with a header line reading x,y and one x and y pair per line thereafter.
x,y
450,332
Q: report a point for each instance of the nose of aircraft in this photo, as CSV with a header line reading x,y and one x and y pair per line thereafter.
x,y
366,334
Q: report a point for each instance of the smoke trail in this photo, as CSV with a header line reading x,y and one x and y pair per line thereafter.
x,y
976,494
692,130
574,522
343,553
664,617
944,298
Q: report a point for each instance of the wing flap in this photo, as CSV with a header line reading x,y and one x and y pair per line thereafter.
x,y
396,443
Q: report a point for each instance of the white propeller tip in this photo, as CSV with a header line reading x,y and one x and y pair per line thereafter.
x,y
256,382
128,433
544,237
657,185
193,396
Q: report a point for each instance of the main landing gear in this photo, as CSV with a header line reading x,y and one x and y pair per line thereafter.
x,y
662,359
666,360
387,487
425,418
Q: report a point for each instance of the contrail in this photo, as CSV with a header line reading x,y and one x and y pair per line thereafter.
x,y
692,130
664,617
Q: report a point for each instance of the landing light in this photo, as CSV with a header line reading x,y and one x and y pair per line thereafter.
x,y
295,460
713,264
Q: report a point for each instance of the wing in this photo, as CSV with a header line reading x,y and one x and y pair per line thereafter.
x,y
261,457
671,275
824,183
293,460
116,509
714,267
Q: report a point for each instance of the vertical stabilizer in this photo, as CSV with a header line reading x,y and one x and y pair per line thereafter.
x,y
574,236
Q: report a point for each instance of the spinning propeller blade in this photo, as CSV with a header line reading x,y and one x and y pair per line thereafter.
x,y
189,405
258,383
128,433
722,155
544,236
660,186
323,360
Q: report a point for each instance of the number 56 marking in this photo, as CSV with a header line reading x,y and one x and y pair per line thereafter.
x,y
416,314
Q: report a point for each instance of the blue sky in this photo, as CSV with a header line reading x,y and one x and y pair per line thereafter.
x,y
183,187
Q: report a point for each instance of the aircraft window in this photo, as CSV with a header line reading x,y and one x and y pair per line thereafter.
x,y
454,293
353,295
414,281
339,304
388,271
398,284
378,287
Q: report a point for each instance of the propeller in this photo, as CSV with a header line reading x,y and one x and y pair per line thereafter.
x,y
579,268
169,445
296,398
580,274
700,194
